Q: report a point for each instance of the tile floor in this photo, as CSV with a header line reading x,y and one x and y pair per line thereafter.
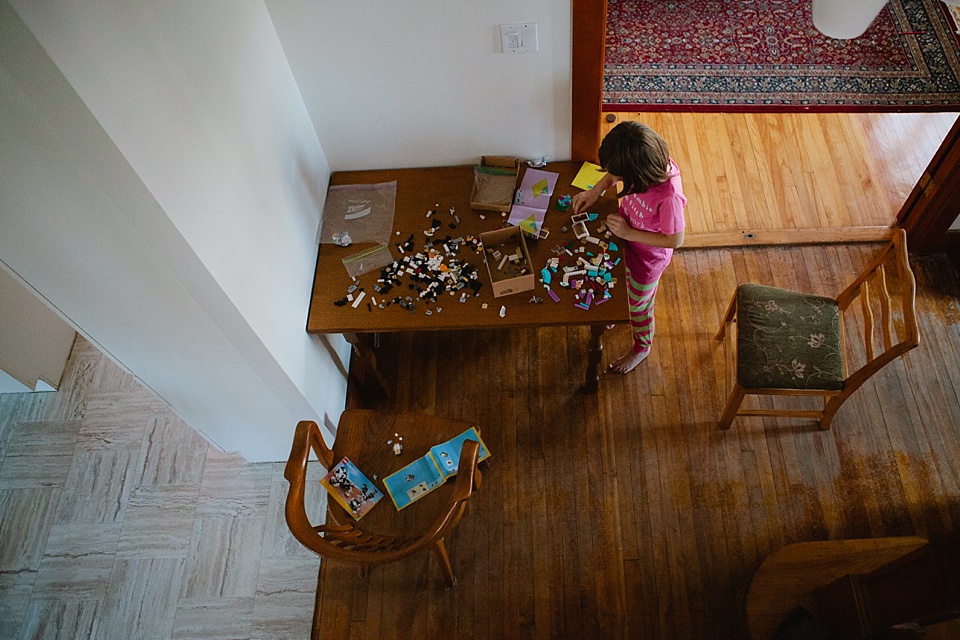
x,y
117,520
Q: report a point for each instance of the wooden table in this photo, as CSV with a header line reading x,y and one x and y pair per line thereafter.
x,y
442,188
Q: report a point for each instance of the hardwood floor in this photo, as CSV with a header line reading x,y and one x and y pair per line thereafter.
x,y
834,175
117,520
628,514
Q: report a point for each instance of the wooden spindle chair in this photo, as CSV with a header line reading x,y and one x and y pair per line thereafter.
x,y
790,343
346,540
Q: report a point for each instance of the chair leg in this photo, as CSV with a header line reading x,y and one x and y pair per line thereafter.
x,y
731,312
830,407
737,395
441,552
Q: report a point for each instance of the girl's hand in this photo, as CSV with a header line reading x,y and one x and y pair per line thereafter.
x,y
584,200
618,226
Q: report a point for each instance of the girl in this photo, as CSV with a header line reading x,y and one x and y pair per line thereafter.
x,y
650,220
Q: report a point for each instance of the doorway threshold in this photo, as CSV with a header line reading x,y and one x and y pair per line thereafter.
x,y
766,237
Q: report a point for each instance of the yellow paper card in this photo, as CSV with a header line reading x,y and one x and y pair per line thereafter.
x,y
589,175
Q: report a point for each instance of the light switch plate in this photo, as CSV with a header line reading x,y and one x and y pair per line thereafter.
x,y
519,37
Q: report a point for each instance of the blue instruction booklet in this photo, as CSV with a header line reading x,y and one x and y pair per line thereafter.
x,y
425,474
447,455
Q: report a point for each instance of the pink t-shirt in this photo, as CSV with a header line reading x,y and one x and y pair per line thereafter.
x,y
659,209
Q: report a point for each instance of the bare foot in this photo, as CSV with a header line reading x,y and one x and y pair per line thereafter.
x,y
627,362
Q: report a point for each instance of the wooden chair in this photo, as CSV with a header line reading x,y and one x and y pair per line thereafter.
x,y
384,534
795,344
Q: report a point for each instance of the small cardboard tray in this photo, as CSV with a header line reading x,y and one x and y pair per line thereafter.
x,y
501,163
505,276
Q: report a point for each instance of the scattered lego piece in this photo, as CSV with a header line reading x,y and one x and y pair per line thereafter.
x,y
553,295
503,312
564,202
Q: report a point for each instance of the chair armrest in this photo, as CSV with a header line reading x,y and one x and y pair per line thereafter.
x,y
307,437
468,475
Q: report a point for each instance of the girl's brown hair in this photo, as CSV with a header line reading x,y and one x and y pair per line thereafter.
x,y
637,155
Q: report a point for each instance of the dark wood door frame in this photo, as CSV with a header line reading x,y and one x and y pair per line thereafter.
x,y
934,203
589,29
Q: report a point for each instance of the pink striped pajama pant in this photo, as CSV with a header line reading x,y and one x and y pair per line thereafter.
x,y
640,301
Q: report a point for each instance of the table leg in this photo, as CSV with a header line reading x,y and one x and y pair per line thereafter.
x,y
594,359
363,367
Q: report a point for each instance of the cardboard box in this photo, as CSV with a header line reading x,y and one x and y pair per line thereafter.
x,y
497,162
505,276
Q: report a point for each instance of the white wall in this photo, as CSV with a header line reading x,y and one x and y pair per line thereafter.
x,y
34,341
160,183
398,84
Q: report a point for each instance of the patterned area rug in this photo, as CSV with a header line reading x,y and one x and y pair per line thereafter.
x,y
766,55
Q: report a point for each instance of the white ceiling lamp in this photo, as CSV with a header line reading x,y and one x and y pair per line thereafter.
x,y
845,19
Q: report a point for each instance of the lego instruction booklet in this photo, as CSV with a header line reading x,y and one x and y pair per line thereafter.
x,y
430,471
351,489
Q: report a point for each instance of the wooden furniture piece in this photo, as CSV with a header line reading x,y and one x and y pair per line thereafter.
x,y
383,534
795,344
789,576
918,588
443,188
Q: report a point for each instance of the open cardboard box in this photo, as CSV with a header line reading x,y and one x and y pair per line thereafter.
x,y
497,162
507,279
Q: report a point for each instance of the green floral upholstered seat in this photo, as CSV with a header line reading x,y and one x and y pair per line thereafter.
x,y
787,340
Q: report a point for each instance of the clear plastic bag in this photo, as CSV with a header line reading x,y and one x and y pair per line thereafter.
x,y
363,211
367,260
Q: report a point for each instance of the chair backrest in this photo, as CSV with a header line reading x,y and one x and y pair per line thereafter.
x,y
886,313
349,542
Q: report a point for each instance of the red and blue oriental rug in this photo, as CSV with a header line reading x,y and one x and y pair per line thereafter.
x,y
766,55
